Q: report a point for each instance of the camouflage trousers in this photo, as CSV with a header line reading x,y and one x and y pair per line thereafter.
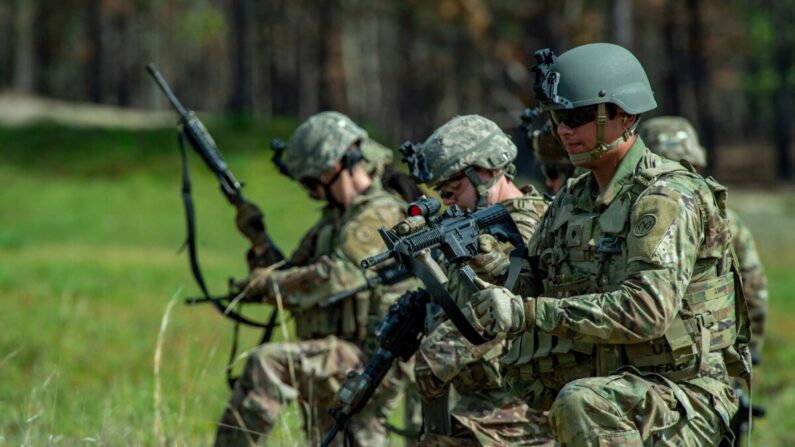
x,y
493,418
412,403
310,372
628,409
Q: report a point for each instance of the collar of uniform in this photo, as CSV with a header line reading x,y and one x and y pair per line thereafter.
x,y
517,203
375,188
623,175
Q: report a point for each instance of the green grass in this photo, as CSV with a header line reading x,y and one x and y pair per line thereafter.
x,y
90,227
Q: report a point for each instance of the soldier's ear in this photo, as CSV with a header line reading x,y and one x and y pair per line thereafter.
x,y
628,120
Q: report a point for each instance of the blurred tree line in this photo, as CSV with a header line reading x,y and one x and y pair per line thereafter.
x,y
406,66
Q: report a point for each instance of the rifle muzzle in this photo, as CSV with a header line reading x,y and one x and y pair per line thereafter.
x,y
375,260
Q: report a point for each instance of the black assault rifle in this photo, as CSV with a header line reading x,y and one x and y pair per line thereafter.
x,y
399,335
203,144
455,235
383,277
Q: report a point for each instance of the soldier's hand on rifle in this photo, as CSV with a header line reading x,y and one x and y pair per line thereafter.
x,y
250,222
497,310
428,384
258,283
491,262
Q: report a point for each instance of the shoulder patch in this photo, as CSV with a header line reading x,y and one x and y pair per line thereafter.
x,y
364,234
360,237
644,225
651,217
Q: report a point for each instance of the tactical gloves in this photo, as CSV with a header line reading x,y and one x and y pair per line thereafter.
x,y
498,311
259,283
492,262
250,222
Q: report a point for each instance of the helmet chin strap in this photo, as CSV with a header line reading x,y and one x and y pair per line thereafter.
x,y
348,161
602,147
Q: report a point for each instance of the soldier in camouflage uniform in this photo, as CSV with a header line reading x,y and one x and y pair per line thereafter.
x,y
628,327
469,161
326,155
673,137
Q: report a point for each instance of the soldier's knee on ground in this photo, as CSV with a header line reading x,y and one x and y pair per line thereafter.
x,y
582,416
264,371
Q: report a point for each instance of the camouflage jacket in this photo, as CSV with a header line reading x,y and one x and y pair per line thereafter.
x,y
754,279
450,356
639,276
327,262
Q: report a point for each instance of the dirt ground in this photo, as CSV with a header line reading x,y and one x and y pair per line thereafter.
x,y
746,165
20,110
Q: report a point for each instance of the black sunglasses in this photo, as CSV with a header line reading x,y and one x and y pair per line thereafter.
x,y
446,195
574,117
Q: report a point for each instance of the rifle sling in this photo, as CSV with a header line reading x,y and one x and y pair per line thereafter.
x,y
190,243
516,257
443,298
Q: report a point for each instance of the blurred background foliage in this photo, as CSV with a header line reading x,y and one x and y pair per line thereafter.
x,y
407,65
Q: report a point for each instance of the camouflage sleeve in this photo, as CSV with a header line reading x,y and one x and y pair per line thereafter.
x,y
339,271
528,282
662,240
754,279
527,223
445,349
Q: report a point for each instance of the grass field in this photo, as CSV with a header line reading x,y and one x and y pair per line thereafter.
x,y
90,227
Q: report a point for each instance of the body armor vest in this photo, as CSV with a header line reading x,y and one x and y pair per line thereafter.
x,y
352,319
590,256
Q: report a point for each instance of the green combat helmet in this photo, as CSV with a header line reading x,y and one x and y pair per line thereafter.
x,y
319,143
674,138
593,74
461,145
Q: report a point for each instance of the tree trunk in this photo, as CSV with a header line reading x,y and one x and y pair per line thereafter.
x,y
95,64
700,74
622,23
331,90
24,56
125,55
782,17
240,57
673,79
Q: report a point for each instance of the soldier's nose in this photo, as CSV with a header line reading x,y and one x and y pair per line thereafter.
x,y
564,129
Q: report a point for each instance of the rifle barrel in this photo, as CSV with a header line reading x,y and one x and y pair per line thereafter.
x,y
172,98
375,260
